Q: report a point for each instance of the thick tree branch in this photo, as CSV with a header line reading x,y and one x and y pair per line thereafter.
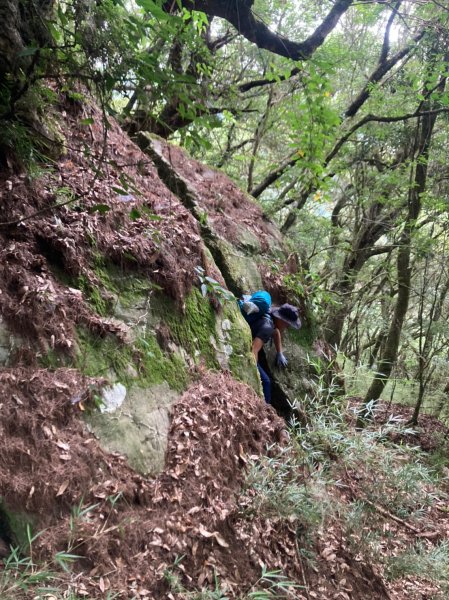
x,y
300,201
376,250
379,119
383,67
249,85
386,44
239,14
231,149
274,175
215,45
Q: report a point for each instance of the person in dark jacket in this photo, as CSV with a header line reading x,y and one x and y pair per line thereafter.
x,y
268,327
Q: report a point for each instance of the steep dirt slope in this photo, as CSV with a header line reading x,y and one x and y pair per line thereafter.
x,y
76,236
101,290
143,227
130,532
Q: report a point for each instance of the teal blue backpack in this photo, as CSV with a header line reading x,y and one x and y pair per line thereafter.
x,y
256,306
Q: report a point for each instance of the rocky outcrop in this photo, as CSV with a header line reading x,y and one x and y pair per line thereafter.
x,y
233,226
244,245
107,283
132,413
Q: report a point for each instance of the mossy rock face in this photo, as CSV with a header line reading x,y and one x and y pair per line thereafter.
x,y
138,428
235,350
239,270
251,245
15,526
8,343
295,379
248,241
155,367
192,327
217,339
142,363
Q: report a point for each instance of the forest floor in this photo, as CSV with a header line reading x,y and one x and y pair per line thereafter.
x,y
231,500
338,513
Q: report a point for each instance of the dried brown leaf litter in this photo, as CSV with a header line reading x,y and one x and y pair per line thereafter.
x,y
48,460
229,210
130,531
52,464
143,228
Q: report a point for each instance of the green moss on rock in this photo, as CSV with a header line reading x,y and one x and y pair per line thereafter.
x,y
94,296
239,271
159,367
241,360
194,329
141,363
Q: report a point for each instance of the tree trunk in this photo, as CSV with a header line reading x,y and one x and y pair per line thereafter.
x,y
417,188
375,224
426,339
11,43
260,131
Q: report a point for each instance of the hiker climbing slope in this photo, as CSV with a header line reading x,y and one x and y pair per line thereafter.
x,y
267,323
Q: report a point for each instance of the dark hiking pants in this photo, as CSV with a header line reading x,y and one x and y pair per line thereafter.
x,y
266,384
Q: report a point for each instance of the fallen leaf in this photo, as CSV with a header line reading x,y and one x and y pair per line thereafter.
x,y
327,552
221,541
47,431
62,488
63,446
242,454
205,533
